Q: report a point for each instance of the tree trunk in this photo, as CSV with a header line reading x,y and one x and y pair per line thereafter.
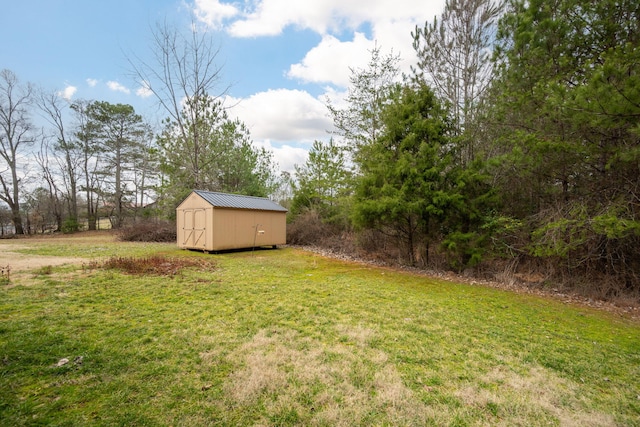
x,y
73,188
17,221
91,214
118,196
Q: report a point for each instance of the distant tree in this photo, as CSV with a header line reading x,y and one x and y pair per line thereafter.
x,y
220,158
55,196
184,72
359,122
89,152
121,133
5,219
201,147
322,181
42,209
284,190
454,57
241,167
184,67
145,170
67,154
16,135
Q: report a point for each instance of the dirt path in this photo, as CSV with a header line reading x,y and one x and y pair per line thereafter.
x,y
17,261
11,250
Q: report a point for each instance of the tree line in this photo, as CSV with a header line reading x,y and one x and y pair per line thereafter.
x,y
97,159
512,144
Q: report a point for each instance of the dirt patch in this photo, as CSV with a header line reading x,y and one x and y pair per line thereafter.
x,y
9,256
10,249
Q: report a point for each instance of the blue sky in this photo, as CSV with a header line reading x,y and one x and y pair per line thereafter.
x,y
282,58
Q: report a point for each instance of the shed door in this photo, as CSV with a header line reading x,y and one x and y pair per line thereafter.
x,y
195,224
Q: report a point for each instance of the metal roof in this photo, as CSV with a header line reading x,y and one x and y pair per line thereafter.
x,y
236,201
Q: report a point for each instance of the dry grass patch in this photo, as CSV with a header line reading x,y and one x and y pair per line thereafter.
x,y
538,394
298,378
357,334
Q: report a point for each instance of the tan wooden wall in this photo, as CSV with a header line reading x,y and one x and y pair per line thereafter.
x,y
201,226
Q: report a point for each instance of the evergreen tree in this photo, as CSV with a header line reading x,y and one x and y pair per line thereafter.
x,y
402,191
322,182
120,131
208,151
567,105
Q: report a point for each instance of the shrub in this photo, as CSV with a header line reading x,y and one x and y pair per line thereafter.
x,y
70,225
148,231
308,229
156,265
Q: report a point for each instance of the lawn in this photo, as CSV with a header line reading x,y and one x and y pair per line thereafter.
x,y
287,337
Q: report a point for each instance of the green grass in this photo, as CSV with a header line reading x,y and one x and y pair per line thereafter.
x,y
290,338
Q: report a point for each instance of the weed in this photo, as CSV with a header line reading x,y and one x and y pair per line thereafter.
x,y
89,266
156,264
5,275
45,270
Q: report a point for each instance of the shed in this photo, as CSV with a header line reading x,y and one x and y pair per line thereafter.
x,y
211,221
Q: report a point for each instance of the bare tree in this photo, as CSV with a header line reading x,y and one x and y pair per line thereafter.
x,y
89,161
359,123
184,71
16,133
5,219
53,203
53,108
454,56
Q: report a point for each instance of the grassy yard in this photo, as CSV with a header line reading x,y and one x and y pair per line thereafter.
x,y
287,337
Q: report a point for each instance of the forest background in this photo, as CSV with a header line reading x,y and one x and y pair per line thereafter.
x,y
511,150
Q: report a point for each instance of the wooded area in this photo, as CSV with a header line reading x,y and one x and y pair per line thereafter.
x,y
513,146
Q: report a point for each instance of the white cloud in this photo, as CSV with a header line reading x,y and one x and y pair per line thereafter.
x,y
330,61
390,24
213,13
270,17
285,122
68,92
92,82
144,91
117,87
283,115
287,156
